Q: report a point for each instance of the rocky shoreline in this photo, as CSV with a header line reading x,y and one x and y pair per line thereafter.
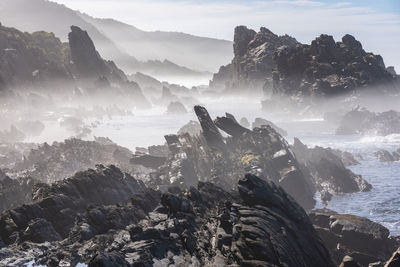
x,y
199,205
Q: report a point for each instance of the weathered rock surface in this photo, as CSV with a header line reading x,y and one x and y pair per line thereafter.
x,y
253,61
385,156
363,240
87,60
53,213
259,122
14,192
60,160
203,226
211,157
364,122
327,68
328,171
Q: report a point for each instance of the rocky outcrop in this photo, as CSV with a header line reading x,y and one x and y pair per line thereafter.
x,y
327,68
49,163
328,172
14,192
176,108
213,158
53,213
259,122
192,128
253,61
87,61
361,239
203,226
32,59
385,156
362,121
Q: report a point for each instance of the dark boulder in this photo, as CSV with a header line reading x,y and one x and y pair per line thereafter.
x,y
385,156
327,68
327,170
343,234
108,259
210,131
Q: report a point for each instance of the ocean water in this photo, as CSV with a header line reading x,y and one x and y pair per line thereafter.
x,y
381,204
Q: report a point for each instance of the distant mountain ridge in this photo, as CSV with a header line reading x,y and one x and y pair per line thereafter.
x,y
125,45
199,53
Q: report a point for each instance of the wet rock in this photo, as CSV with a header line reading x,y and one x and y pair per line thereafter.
x,y
259,122
176,108
363,240
385,156
347,158
327,170
210,131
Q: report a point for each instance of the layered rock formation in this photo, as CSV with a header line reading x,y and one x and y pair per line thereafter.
x,y
260,226
211,157
362,121
329,174
253,60
361,239
286,68
49,163
327,68
87,61
14,192
385,156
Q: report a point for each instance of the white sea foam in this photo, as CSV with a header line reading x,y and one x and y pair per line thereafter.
x,y
391,138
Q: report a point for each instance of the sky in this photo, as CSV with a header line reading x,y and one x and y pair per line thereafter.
x,y
376,23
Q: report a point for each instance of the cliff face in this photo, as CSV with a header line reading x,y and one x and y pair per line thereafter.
x,y
329,68
253,61
87,61
31,59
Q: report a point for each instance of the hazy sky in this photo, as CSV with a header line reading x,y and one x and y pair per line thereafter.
x,y
376,23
